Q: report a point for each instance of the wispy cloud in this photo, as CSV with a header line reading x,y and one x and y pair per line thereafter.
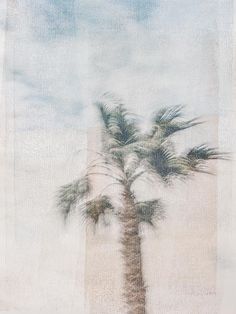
x,y
72,51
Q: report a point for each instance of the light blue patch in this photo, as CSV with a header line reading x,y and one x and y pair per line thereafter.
x,y
59,18
37,96
54,19
141,9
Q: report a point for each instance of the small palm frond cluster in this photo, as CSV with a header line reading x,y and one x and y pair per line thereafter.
x,y
120,128
150,211
128,155
161,159
70,194
197,156
168,121
98,207
75,195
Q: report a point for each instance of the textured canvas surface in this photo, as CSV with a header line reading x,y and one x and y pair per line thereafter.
x,y
57,58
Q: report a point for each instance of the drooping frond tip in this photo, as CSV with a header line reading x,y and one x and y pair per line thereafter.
x,y
169,120
69,194
204,152
198,155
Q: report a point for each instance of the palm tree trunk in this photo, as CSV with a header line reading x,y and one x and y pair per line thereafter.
x,y
134,287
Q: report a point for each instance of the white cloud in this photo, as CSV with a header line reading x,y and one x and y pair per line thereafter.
x,y
169,58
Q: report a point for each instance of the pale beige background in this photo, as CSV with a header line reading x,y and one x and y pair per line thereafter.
x,y
190,261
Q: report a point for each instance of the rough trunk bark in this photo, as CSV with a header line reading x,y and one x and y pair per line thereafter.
x,y
134,287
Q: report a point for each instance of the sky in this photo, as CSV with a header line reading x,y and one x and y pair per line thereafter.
x,y
64,55
56,59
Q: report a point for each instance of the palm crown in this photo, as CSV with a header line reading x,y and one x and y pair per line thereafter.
x,y
128,154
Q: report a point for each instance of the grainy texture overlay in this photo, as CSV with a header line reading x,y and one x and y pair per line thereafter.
x,y
93,217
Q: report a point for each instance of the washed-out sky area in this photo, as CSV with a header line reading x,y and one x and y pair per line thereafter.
x,y
56,59
62,55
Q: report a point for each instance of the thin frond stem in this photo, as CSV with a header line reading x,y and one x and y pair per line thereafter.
x,y
105,162
91,150
109,185
104,174
134,177
96,160
204,172
147,180
101,165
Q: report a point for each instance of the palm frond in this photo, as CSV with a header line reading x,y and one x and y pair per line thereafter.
x,y
150,211
197,156
163,161
203,152
169,113
123,127
105,113
69,194
120,127
117,156
169,120
97,207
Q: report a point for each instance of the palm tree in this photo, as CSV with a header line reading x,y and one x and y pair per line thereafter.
x,y
128,155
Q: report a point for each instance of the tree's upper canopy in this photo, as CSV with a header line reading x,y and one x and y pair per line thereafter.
x,y
128,154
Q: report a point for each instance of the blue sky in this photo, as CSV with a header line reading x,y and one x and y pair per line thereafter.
x,y
68,53
53,19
